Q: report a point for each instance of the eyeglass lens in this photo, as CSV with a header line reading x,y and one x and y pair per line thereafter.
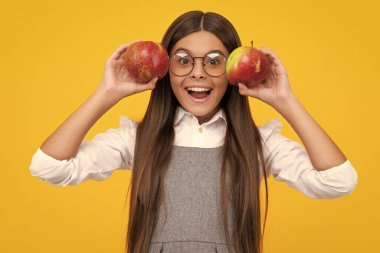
x,y
182,63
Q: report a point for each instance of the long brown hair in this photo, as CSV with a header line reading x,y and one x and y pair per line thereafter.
x,y
243,162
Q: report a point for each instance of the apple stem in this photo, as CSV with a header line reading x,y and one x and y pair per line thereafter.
x,y
251,43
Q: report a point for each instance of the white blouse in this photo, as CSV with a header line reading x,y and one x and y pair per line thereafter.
x,y
114,149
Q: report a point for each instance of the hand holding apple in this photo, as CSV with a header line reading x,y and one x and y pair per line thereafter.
x,y
117,82
275,89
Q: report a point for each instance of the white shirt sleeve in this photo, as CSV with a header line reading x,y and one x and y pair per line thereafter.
x,y
289,162
96,158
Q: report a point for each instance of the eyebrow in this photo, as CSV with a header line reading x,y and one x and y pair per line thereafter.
x,y
189,51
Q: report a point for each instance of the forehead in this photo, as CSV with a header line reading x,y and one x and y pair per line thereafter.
x,y
200,43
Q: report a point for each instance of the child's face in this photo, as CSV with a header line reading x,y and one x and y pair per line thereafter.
x,y
201,104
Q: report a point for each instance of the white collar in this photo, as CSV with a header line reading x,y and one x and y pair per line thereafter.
x,y
180,113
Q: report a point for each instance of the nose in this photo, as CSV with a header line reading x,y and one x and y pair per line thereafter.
x,y
198,69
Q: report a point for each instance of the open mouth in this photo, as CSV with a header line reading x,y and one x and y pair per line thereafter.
x,y
199,93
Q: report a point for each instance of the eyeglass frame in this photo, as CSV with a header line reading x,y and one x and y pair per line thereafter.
x,y
193,62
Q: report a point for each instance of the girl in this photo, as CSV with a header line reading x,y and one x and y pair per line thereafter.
x,y
197,156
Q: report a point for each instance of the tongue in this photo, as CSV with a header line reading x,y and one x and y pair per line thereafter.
x,y
199,95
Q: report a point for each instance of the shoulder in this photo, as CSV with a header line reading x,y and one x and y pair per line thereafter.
x,y
124,133
128,127
126,122
269,129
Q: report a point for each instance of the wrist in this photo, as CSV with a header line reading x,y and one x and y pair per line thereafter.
x,y
287,105
107,96
284,102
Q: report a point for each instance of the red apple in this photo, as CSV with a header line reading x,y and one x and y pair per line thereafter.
x,y
247,65
146,60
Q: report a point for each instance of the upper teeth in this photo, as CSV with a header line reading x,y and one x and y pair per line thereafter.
x,y
198,89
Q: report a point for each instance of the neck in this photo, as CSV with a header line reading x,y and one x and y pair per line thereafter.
x,y
205,118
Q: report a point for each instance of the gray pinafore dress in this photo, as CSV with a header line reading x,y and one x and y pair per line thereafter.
x,y
192,221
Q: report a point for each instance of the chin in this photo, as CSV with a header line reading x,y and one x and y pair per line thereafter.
x,y
202,115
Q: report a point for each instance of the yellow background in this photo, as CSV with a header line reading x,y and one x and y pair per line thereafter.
x,y
52,58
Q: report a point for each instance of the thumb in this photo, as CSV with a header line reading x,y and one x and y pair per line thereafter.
x,y
244,90
152,83
147,86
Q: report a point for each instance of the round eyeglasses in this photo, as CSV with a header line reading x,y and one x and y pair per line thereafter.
x,y
182,63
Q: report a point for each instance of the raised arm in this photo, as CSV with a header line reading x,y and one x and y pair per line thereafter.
x,y
276,91
322,150
64,142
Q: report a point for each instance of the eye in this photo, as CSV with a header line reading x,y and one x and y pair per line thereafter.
x,y
214,59
183,58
